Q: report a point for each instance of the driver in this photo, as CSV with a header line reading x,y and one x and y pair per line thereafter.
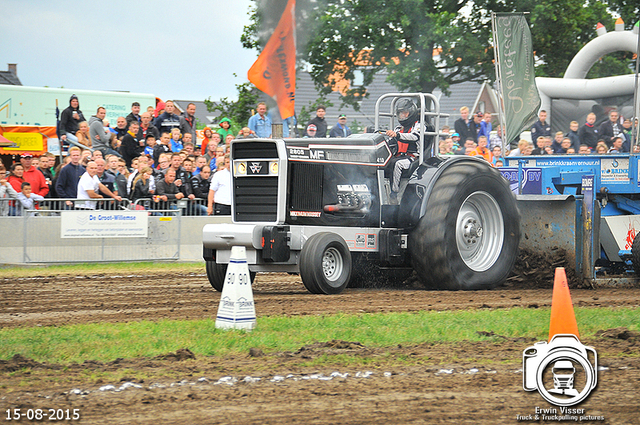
x,y
404,141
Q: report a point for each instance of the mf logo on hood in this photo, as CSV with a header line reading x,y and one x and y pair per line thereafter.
x,y
255,167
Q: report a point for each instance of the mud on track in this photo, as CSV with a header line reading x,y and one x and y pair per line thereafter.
x,y
53,301
479,382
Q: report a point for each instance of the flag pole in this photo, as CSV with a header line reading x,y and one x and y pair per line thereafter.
x,y
636,106
496,63
274,72
58,132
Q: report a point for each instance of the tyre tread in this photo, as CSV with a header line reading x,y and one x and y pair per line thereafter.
x,y
442,268
311,258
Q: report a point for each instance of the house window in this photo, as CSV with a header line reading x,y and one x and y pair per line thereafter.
x,y
358,79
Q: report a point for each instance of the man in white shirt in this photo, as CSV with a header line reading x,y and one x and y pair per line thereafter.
x,y
88,188
220,190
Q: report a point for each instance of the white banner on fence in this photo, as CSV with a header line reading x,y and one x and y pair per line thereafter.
x,y
104,224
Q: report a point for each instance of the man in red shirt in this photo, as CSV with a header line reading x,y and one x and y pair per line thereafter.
x,y
34,176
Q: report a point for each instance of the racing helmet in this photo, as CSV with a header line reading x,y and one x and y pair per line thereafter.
x,y
406,111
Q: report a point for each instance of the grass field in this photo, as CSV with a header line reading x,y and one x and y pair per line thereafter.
x,y
77,335
106,342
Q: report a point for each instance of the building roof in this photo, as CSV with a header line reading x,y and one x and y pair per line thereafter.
x,y
8,77
462,94
306,95
467,93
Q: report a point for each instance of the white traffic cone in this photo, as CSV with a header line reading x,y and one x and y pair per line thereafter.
x,y
236,309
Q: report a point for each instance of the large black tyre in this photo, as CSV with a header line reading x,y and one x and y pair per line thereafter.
x,y
325,264
216,274
635,254
468,238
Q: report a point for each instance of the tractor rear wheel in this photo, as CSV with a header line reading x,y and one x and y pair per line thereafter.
x,y
468,238
325,264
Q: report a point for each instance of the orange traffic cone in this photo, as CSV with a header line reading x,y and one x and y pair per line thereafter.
x,y
563,319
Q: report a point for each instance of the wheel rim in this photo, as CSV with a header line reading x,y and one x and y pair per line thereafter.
x,y
332,264
479,231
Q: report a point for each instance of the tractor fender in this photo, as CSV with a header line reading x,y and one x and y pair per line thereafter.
x,y
416,195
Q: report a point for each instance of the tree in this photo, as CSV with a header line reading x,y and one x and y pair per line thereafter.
x,y
560,28
428,44
422,44
629,10
238,111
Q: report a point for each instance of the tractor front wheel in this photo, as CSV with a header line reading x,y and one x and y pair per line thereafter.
x,y
325,264
216,273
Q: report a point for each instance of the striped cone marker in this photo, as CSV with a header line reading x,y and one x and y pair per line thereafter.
x,y
237,309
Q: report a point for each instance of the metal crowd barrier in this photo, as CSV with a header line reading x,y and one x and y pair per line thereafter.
x,y
197,206
65,231
53,206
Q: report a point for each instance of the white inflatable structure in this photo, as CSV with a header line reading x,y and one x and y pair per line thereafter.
x,y
575,86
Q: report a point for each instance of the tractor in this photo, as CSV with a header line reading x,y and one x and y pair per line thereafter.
x,y
322,208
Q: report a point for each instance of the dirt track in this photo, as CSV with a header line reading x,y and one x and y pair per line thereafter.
x,y
468,383
51,301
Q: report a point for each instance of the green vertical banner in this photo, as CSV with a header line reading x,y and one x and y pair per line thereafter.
x,y
516,73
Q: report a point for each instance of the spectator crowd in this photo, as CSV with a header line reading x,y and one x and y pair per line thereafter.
x,y
475,136
154,159
148,159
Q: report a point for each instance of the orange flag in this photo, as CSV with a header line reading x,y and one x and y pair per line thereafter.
x,y
275,70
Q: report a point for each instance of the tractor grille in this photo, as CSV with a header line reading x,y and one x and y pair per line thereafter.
x,y
255,150
255,197
306,187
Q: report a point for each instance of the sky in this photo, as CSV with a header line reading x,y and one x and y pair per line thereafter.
x,y
187,50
